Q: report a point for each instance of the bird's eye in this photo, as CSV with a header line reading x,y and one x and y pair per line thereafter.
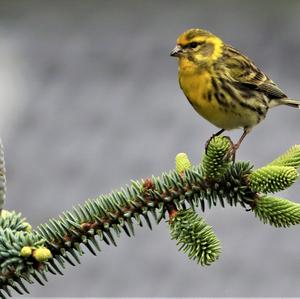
x,y
193,45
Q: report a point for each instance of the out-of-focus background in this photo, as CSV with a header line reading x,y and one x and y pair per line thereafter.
x,y
89,99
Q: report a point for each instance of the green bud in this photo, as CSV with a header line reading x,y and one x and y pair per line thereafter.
x,y
276,211
195,237
290,158
215,161
272,178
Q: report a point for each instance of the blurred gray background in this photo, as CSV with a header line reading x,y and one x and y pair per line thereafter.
x,y
89,99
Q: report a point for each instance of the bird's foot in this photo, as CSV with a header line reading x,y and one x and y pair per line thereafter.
x,y
230,155
212,137
232,151
208,142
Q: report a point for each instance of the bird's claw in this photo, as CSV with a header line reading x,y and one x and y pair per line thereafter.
x,y
208,142
212,137
230,155
232,151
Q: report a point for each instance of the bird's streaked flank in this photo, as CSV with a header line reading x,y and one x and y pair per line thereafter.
x,y
223,85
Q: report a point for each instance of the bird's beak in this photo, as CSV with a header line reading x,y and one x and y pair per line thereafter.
x,y
176,51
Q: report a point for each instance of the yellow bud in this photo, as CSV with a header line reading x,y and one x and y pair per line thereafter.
x,y
42,254
28,227
26,251
182,162
5,214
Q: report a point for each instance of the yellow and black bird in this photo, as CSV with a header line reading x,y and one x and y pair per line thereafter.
x,y
223,85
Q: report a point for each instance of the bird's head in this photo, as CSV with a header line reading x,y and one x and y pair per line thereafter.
x,y
198,46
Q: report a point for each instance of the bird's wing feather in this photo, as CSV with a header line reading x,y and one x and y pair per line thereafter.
x,y
245,74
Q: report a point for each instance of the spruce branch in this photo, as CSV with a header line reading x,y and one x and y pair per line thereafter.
x,y
27,255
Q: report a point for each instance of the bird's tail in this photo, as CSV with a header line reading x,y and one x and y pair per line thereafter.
x,y
291,103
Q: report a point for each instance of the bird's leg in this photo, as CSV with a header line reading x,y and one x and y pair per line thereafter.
x,y
234,147
213,136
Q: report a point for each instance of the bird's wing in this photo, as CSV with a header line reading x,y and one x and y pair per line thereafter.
x,y
245,74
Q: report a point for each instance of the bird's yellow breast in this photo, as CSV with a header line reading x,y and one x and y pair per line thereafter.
x,y
197,87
